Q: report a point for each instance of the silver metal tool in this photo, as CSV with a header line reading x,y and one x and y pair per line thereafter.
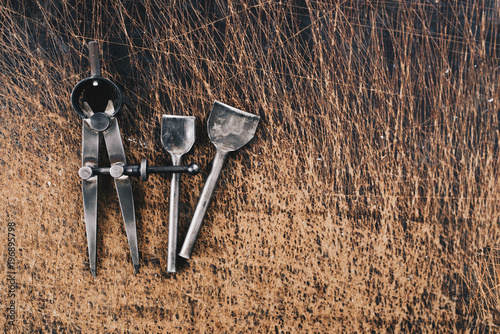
x,y
177,137
229,129
97,100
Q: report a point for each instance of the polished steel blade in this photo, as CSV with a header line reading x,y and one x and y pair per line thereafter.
x,y
125,196
123,185
90,154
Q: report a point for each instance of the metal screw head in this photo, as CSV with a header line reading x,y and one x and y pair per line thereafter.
x,y
85,172
99,121
116,171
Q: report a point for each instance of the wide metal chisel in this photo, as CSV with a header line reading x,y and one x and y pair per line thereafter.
x,y
229,129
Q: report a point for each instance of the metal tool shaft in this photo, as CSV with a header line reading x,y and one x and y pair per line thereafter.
x,y
192,169
87,172
95,64
203,202
173,218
